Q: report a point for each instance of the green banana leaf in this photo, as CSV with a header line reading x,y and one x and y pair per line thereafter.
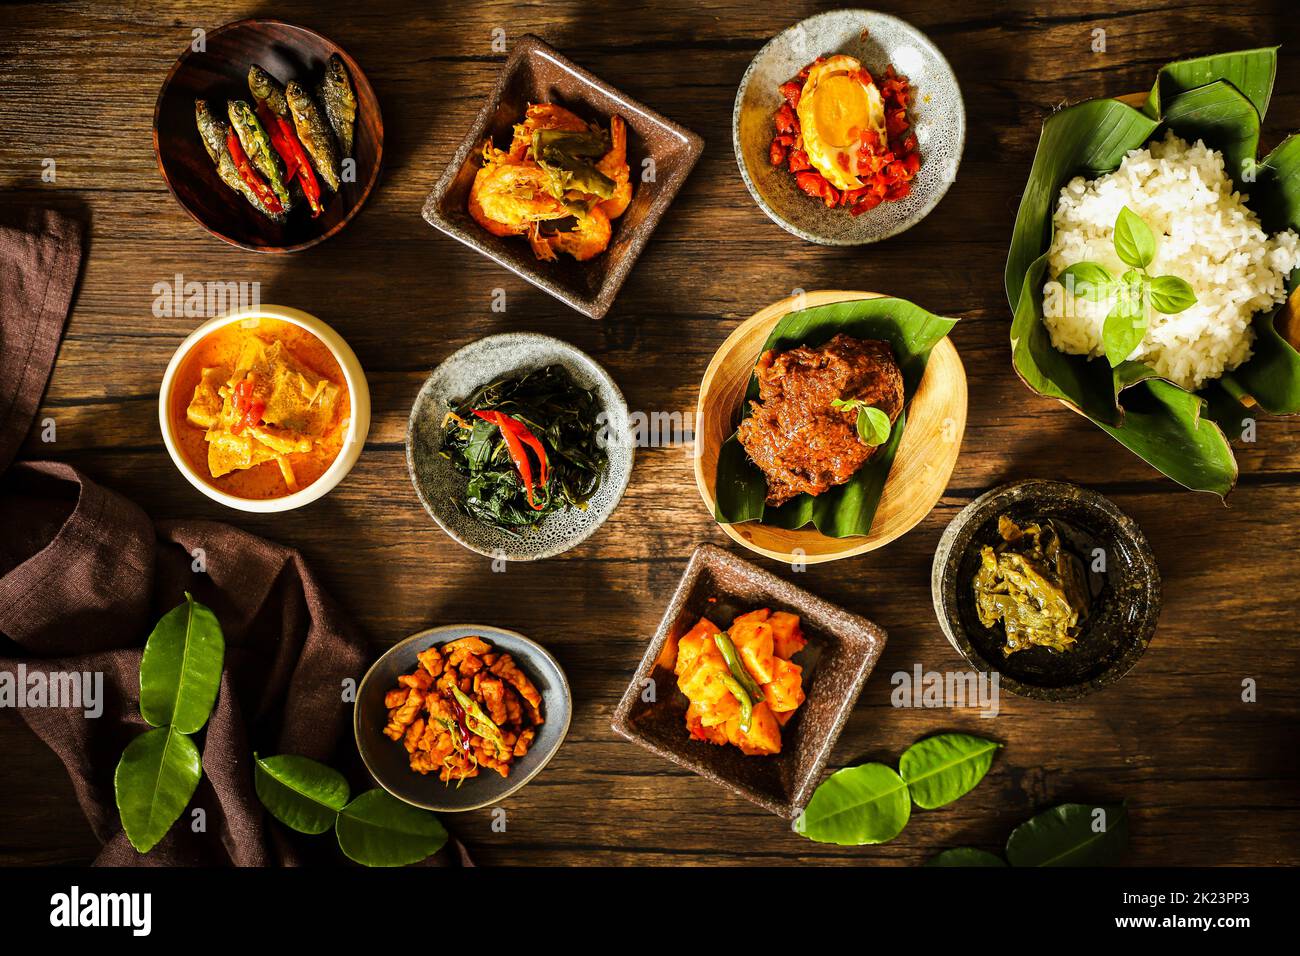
x,y
1221,99
847,509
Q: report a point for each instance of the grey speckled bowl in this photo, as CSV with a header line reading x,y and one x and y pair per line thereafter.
x,y
938,118
440,487
388,761
1125,595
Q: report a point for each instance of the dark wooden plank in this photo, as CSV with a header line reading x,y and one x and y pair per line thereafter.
x,y
1209,778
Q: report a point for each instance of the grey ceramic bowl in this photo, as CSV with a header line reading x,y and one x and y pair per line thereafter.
x,y
388,761
937,114
440,487
1125,601
536,73
841,652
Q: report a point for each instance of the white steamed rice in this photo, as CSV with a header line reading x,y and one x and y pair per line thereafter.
x,y
1205,234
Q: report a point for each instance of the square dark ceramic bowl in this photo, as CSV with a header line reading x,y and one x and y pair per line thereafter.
x,y
535,73
842,650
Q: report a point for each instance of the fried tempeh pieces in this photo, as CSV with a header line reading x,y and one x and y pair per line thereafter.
x,y
467,706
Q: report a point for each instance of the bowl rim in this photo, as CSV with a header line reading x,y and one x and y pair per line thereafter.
x,y
486,631
923,40
353,442
853,545
940,578
620,410
597,303
354,70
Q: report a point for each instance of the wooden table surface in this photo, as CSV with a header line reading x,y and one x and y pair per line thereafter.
x,y
1209,778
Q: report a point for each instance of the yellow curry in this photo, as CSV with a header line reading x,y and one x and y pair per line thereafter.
x,y
260,408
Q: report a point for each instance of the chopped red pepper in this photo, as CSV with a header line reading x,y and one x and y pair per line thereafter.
x,y
250,408
517,435
815,185
785,120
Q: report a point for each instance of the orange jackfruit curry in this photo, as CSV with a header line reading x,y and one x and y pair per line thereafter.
x,y
741,683
260,408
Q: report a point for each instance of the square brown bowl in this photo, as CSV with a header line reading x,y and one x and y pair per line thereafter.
x,y
535,73
842,649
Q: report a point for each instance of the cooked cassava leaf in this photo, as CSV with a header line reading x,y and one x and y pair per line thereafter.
x,y
850,508
1221,99
549,441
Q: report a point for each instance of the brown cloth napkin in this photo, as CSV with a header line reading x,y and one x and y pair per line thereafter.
x,y
40,256
85,574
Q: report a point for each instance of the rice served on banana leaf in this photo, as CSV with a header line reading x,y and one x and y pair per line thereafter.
x,y
1205,234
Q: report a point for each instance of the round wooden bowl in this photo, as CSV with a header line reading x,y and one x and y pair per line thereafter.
x,y
936,420
220,73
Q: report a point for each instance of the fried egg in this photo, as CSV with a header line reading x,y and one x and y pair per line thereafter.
x,y
834,108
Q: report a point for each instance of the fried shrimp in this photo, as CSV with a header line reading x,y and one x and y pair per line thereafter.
x,y
559,185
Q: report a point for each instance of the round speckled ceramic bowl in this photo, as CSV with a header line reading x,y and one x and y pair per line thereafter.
x,y
937,114
388,761
1122,577
440,487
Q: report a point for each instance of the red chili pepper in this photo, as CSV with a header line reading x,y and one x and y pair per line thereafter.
x,y
517,435
306,175
250,176
459,713
286,143
250,408
288,155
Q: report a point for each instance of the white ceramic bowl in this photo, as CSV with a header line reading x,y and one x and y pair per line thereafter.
x,y
353,441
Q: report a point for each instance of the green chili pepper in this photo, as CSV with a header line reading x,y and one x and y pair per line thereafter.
x,y
746,705
478,722
738,671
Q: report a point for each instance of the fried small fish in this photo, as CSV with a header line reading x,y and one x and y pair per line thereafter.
x,y
314,133
214,131
340,102
257,145
267,89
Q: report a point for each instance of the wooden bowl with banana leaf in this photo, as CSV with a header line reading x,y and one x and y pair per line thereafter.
x,y
275,159
893,490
